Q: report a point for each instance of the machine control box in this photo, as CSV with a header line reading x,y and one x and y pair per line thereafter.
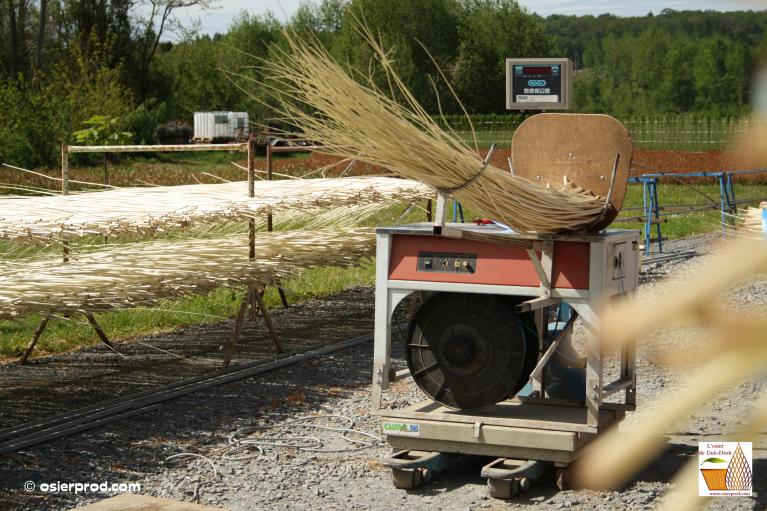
x,y
443,262
538,84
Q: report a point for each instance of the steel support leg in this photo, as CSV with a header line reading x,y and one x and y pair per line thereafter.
x,y
656,213
647,216
723,202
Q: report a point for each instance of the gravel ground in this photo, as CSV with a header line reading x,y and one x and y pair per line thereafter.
x,y
137,449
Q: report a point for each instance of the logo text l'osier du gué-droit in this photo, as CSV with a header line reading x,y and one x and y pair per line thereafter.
x,y
726,469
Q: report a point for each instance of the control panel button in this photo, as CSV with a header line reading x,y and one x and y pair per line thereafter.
x,y
442,262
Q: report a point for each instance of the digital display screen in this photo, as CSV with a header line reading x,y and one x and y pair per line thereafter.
x,y
536,70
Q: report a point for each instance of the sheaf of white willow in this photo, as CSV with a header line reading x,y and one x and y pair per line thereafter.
x,y
138,274
148,210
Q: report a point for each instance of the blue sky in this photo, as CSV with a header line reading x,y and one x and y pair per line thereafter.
x,y
218,19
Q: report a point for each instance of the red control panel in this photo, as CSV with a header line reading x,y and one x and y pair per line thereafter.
x,y
441,259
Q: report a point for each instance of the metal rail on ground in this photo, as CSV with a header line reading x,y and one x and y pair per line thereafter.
x,y
77,421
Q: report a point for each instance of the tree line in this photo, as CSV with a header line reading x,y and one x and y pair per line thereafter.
x,y
62,62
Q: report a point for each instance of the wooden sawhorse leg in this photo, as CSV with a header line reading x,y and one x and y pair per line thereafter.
x,y
35,337
259,302
254,302
44,323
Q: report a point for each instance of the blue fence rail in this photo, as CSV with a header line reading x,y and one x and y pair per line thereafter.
x,y
651,207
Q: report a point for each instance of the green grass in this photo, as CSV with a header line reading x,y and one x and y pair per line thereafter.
x,y
680,132
678,226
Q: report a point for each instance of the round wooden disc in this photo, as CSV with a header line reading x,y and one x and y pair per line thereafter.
x,y
551,149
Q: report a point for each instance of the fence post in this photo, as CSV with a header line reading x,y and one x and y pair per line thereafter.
x,y
269,168
251,193
64,169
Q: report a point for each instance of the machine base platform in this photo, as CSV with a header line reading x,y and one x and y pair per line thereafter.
x,y
509,429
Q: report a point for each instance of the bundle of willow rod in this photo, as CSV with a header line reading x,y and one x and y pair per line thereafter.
x,y
140,273
360,121
157,209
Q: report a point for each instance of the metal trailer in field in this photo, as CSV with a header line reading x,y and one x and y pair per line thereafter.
x,y
210,127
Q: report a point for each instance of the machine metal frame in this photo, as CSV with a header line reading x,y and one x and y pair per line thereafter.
x,y
537,427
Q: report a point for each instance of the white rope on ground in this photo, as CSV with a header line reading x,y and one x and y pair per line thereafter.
x,y
284,436
243,441
197,486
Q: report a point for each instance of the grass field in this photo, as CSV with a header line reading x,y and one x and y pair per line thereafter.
x,y
70,333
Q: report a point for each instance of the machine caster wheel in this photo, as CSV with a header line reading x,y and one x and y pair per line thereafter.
x,y
562,478
411,469
409,478
507,478
507,488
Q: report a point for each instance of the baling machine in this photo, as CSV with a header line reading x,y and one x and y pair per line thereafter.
x,y
488,341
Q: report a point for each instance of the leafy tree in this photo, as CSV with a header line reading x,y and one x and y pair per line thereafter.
x,y
404,26
102,130
491,31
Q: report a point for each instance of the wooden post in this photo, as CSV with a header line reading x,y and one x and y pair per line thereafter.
x,y
269,226
269,169
236,333
428,210
64,169
106,169
251,193
251,295
35,337
65,190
